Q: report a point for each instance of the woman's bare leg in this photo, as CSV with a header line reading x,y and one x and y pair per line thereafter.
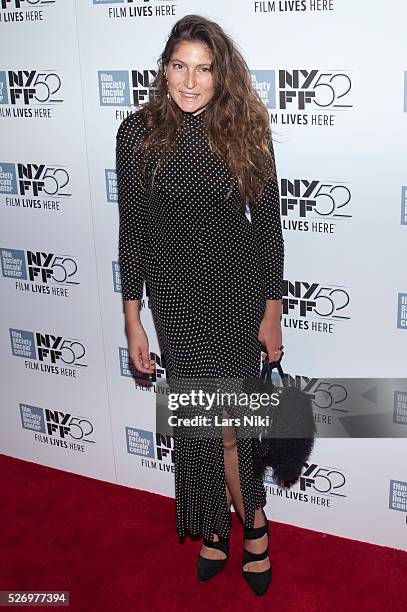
x,y
234,494
233,480
233,489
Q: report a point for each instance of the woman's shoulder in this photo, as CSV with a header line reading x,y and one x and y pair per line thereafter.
x,y
132,127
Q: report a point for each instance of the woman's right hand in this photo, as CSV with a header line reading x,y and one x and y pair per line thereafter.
x,y
138,349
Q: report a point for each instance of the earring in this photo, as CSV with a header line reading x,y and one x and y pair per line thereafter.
x,y
168,93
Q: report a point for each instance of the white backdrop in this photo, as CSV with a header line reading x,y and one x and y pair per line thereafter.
x,y
333,78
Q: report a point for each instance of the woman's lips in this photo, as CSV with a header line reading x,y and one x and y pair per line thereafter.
x,y
189,96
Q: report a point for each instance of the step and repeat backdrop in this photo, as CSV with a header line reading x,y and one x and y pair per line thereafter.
x,y
333,77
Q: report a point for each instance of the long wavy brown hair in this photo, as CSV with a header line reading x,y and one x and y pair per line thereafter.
x,y
236,119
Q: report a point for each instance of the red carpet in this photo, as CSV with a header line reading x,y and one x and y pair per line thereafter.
x,y
116,548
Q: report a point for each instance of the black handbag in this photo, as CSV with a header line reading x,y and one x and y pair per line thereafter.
x,y
285,444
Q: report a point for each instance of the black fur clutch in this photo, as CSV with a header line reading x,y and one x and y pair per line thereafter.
x,y
286,444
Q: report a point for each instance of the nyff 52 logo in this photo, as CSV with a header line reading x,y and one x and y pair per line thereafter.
x,y
45,267
322,480
303,89
303,299
328,482
48,348
30,87
33,179
303,197
55,423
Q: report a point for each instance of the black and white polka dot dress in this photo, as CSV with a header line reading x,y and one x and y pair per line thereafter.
x,y
209,270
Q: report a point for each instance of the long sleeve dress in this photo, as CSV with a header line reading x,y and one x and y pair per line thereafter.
x,y
209,271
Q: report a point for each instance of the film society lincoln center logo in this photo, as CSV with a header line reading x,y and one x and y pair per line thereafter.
x,y
306,96
402,311
156,450
125,88
398,496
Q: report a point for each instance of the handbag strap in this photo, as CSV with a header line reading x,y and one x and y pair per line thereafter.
x,y
269,366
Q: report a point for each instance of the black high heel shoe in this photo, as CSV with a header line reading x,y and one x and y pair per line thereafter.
x,y
257,581
208,568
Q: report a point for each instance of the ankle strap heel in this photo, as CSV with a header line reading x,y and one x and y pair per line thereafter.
x,y
257,532
208,568
257,581
222,545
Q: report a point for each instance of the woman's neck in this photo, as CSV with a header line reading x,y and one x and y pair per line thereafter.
x,y
200,110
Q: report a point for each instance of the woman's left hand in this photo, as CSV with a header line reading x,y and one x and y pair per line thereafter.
x,y
270,336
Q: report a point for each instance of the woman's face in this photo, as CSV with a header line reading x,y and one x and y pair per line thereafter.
x,y
190,79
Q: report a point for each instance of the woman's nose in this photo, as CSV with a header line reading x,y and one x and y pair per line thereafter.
x,y
190,79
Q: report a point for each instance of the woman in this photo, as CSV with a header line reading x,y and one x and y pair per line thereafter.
x,y
187,163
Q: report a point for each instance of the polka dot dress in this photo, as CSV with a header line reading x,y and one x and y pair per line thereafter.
x,y
209,270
